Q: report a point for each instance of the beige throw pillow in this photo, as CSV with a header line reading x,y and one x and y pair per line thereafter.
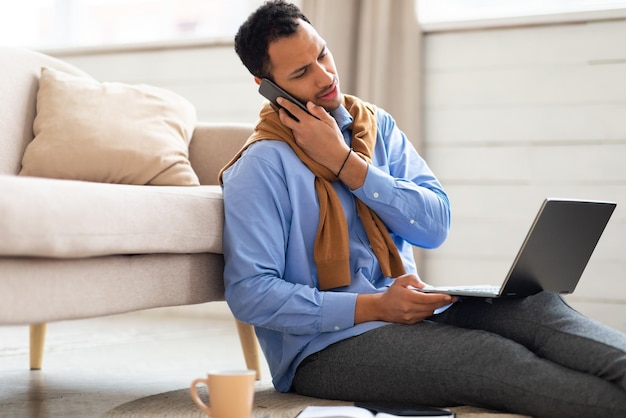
x,y
109,132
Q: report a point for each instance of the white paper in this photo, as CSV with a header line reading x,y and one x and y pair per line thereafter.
x,y
335,412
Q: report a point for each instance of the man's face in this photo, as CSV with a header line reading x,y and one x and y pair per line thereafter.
x,y
302,65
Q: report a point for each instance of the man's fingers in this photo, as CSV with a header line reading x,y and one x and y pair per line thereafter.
x,y
407,280
293,108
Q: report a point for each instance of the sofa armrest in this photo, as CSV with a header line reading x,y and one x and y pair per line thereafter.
x,y
213,145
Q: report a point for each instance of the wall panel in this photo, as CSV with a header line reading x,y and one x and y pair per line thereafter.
x,y
513,115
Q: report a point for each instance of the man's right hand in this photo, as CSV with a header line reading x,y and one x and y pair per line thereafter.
x,y
401,303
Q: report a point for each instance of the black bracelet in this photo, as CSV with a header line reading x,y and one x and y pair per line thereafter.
x,y
344,162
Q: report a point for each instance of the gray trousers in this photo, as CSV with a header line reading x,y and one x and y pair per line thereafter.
x,y
535,356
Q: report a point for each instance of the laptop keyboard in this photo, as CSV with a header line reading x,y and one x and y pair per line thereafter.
x,y
477,289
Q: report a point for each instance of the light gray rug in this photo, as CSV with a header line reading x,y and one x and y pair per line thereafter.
x,y
267,404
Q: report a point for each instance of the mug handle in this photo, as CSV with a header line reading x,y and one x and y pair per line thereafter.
x,y
196,398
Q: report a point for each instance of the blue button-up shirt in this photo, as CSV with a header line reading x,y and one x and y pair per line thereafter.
x,y
271,218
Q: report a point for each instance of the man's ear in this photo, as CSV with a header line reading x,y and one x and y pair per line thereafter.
x,y
257,80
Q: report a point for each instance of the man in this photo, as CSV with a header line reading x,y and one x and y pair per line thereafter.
x,y
320,216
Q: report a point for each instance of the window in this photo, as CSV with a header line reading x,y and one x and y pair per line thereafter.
x,y
432,12
77,23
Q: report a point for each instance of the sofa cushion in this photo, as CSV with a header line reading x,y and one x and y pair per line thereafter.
x,y
21,69
109,132
73,219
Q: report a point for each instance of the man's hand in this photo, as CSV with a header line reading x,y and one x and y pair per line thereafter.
x,y
401,303
321,139
319,136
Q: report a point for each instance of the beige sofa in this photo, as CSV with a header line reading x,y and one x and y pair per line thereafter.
x,y
72,249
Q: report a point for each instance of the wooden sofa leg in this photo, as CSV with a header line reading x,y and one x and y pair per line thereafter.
x,y
250,347
37,340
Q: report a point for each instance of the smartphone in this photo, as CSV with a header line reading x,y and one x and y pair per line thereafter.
x,y
404,410
271,91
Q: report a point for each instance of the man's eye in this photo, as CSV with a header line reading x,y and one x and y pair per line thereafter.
x,y
300,75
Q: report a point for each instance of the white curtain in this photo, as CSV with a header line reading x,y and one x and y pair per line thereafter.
x,y
377,48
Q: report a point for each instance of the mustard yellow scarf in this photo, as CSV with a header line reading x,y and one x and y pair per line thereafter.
x,y
331,251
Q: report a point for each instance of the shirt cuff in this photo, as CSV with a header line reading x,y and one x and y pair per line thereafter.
x,y
338,311
376,187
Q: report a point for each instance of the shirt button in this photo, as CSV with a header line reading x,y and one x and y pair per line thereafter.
x,y
376,195
337,328
412,221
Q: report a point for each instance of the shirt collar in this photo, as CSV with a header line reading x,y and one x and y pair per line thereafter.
x,y
343,118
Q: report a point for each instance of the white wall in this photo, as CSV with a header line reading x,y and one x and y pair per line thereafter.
x,y
511,115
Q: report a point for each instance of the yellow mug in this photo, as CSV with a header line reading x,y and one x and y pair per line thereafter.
x,y
231,393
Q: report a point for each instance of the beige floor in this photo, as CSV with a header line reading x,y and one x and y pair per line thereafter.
x,y
92,365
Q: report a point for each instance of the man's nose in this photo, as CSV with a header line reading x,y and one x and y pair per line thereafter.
x,y
323,77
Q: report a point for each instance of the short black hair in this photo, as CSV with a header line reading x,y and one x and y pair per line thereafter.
x,y
271,21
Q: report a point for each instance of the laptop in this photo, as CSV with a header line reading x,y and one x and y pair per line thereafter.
x,y
554,254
